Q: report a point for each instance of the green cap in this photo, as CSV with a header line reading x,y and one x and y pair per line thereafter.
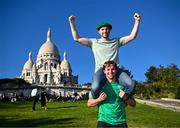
x,y
103,24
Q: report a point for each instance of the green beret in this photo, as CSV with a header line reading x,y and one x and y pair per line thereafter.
x,y
103,24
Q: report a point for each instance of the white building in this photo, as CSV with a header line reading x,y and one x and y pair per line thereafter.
x,y
48,68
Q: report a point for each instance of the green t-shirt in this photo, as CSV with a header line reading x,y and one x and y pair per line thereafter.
x,y
112,110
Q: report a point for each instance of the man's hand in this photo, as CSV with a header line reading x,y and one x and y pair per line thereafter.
x,y
72,19
94,102
102,96
137,17
122,93
125,97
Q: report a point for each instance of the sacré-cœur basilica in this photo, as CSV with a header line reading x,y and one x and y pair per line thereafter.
x,y
48,72
48,68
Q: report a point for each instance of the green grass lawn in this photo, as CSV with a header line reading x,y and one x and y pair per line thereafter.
x,y
77,114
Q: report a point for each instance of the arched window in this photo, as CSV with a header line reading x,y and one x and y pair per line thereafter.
x,y
55,66
46,66
28,74
51,64
45,78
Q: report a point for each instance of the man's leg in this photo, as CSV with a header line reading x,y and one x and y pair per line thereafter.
x,y
125,79
98,82
34,103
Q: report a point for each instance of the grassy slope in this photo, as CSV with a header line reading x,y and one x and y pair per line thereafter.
x,y
77,114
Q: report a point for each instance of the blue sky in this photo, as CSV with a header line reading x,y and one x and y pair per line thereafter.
x,y
24,25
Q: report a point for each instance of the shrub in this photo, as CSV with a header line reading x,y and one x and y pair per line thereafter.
x,y
177,95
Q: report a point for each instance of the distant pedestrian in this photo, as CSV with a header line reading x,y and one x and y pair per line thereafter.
x,y
43,99
35,99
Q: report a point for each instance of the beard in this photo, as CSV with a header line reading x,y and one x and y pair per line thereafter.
x,y
105,35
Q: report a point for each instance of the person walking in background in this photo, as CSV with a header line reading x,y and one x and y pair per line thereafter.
x,y
112,100
105,49
44,99
34,98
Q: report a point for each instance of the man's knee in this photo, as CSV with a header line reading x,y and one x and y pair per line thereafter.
x,y
125,78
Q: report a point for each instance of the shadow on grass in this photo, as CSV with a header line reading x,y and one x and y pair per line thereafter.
x,y
62,107
12,105
36,123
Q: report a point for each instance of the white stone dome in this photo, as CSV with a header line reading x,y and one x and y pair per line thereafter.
x,y
48,49
29,63
65,65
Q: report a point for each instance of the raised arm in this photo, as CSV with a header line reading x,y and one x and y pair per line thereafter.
x,y
74,31
134,31
94,102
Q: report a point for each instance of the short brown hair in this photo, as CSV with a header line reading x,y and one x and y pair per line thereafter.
x,y
108,63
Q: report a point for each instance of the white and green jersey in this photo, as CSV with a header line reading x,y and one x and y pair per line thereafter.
x,y
104,51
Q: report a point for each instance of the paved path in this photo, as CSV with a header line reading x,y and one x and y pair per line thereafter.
x,y
165,103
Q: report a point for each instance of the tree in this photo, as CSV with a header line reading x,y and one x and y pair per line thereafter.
x,y
163,80
151,75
